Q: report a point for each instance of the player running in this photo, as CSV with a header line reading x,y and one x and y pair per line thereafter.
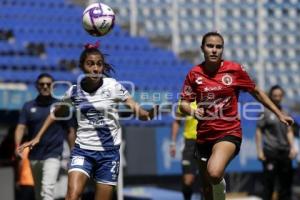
x,y
215,85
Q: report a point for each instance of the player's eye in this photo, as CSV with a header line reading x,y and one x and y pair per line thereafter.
x,y
89,63
100,63
219,46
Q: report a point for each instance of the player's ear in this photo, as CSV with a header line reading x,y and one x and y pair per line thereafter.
x,y
202,48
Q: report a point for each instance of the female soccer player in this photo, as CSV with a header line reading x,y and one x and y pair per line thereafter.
x,y
215,85
96,151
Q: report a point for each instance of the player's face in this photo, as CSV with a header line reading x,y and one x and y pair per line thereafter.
x,y
93,66
213,49
44,86
277,96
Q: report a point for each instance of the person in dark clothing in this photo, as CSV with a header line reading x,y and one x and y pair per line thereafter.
x,y
45,158
276,149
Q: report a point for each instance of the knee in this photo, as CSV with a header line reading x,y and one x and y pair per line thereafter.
x,y
215,176
188,181
72,195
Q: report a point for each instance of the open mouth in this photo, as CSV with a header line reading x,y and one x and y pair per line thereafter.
x,y
94,76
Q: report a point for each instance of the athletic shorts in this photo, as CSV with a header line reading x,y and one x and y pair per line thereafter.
x,y
102,166
203,151
189,163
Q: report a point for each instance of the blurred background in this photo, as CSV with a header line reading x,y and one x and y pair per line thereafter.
x,y
153,45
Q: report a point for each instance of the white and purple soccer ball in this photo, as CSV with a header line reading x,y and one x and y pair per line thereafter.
x,y
98,19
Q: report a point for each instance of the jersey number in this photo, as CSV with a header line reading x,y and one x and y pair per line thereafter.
x,y
115,167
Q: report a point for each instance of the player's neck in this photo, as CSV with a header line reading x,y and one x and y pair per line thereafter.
x,y
212,67
91,86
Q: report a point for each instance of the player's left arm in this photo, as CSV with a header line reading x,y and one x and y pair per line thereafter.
x,y
261,96
142,114
291,140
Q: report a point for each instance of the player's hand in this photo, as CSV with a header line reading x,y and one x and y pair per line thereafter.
x,y
153,113
287,120
18,154
293,153
261,156
29,144
172,150
199,113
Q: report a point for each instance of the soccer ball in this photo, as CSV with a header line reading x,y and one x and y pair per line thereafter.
x,y
98,19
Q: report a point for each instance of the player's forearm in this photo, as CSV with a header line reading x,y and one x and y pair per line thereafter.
x,y
266,101
186,109
45,126
143,115
137,110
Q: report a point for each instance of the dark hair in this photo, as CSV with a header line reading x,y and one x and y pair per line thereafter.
x,y
42,75
212,33
275,87
93,50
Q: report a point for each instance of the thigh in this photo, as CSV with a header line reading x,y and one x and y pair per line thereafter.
x,y
222,153
76,184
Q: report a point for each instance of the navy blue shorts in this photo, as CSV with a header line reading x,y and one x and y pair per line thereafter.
x,y
103,166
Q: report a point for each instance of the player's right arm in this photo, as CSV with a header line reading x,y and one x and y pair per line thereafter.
x,y
139,111
185,108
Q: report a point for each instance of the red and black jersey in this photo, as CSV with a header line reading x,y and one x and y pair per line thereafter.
x,y
218,94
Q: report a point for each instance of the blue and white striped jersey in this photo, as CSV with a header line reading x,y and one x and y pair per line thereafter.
x,y
97,115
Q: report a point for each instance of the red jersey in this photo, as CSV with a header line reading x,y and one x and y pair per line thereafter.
x,y
218,94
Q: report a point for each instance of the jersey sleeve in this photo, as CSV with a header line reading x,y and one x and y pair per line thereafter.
x,y
187,92
244,81
23,115
120,92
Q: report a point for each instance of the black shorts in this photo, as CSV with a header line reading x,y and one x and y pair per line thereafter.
x,y
203,151
189,163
